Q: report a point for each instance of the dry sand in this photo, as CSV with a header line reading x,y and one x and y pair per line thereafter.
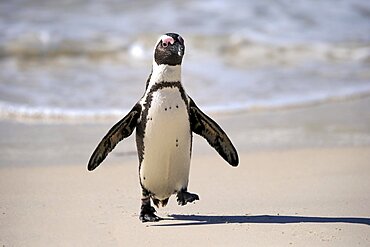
x,y
300,198
278,196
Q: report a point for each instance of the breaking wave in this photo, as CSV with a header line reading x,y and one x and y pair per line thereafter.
x,y
59,62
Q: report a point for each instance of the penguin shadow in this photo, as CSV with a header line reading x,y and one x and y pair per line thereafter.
x,y
196,220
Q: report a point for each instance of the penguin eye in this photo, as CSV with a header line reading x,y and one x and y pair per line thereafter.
x,y
166,41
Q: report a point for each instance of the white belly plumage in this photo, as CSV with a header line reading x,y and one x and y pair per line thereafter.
x,y
166,161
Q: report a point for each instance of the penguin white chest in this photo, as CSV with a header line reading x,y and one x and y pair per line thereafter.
x,y
167,142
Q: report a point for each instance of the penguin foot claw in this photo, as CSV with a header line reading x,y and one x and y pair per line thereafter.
x,y
147,214
184,197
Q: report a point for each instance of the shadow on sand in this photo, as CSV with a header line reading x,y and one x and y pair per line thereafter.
x,y
194,220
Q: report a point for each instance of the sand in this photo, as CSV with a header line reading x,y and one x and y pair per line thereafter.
x,y
313,195
261,203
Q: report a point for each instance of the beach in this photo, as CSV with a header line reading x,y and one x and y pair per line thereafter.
x,y
288,81
282,194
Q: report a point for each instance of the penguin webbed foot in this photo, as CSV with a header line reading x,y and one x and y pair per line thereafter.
x,y
149,217
183,197
147,214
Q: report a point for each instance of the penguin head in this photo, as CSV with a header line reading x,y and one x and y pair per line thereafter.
x,y
169,49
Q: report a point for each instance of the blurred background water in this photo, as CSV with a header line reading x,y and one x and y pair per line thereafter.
x,y
75,59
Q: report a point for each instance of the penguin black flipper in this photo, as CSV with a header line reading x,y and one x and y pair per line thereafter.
x,y
204,126
117,133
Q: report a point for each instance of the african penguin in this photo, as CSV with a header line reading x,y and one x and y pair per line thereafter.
x,y
165,118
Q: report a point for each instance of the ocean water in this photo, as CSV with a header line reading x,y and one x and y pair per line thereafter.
x,y
90,59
